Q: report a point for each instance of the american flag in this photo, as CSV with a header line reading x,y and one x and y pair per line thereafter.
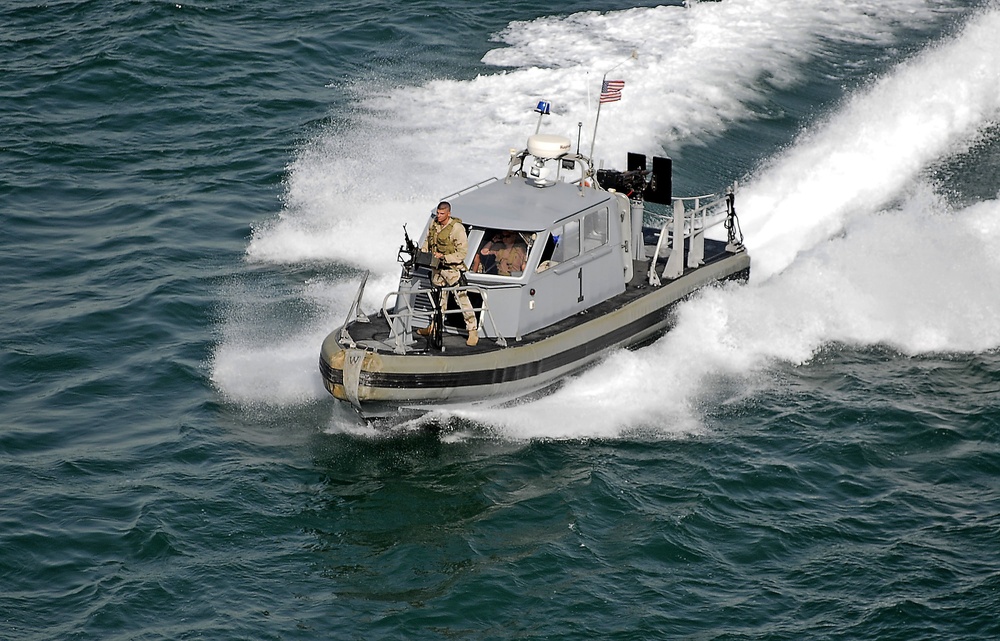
x,y
611,90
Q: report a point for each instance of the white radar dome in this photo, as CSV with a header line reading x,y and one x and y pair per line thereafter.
x,y
548,145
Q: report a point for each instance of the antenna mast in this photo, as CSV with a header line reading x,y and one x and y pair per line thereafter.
x,y
544,108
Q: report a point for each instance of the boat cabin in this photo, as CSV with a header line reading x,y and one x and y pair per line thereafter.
x,y
540,250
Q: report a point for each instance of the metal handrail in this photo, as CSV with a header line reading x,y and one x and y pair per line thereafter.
x,y
355,311
691,223
406,316
470,188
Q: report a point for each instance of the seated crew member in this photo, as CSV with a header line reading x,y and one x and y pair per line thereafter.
x,y
483,262
447,240
509,256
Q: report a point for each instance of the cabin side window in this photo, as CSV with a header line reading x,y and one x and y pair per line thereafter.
x,y
575,237
567,241
545,260
595,230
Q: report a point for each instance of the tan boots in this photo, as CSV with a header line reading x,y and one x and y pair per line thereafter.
x,y
472,341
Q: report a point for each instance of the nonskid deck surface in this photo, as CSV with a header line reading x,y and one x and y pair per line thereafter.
x,y
377,330
454,340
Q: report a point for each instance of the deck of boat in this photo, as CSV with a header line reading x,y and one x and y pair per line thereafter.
x,y
376,332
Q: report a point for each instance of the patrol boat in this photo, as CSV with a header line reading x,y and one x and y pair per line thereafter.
x,y
594,279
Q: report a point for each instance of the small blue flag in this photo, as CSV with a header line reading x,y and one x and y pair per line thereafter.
x,y
544,106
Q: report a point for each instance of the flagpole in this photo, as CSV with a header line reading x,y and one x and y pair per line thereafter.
x,y
593,139
597,119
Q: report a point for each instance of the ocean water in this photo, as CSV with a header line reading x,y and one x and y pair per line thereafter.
x,y
189,194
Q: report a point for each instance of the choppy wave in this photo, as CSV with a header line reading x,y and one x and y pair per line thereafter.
x,y
814,215
699,69
823,465
872,150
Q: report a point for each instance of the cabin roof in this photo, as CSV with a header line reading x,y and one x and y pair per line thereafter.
x,y
521,206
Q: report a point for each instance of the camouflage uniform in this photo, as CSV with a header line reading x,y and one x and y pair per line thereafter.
x,y
510,259
450,239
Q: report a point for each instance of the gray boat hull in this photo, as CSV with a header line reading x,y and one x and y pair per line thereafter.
x,y
380,383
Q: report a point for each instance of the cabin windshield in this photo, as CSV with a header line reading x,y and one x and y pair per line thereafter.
x,y
499,252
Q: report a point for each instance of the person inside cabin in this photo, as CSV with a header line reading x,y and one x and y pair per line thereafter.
x,y
484,262
447,240
508,254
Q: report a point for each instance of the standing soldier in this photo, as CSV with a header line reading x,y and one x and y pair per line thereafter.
x,y
447,240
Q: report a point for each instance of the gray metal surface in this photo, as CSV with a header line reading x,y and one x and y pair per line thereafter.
x,y
519,205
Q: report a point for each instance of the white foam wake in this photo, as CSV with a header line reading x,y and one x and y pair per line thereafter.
x,y
832,263
870,151
920,278
699,70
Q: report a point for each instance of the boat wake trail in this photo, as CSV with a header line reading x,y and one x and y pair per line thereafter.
x,y
920,278
873,149
700,70
851,245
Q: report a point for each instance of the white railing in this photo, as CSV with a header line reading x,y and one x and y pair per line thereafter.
x,y
400,323
355,314
462,192
686,223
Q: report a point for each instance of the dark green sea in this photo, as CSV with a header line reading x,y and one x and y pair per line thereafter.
x,y
190,193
